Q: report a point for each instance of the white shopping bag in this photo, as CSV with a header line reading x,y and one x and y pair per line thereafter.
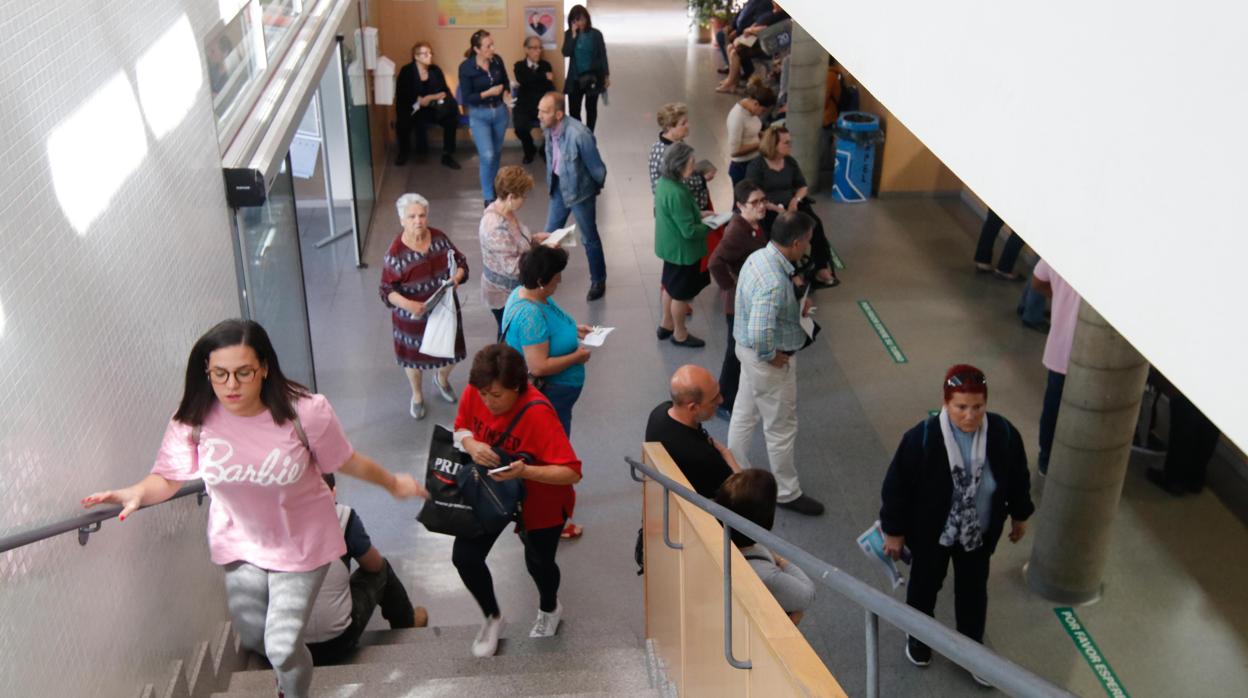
x,y
441,321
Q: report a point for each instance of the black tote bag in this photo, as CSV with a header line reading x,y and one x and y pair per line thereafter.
x,y
448,511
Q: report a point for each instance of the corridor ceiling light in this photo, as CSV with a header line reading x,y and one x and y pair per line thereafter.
x,y
169,76
94,150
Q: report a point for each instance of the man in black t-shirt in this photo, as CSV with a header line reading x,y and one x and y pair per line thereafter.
x,y
677,424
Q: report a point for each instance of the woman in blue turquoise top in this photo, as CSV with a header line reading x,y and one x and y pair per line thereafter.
x,y
483,85
589,74
548,337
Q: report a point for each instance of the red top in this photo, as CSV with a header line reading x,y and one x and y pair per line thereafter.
x,y
539,434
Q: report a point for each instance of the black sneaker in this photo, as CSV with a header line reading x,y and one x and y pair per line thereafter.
x,y
805,505
450,162
596,291
918,653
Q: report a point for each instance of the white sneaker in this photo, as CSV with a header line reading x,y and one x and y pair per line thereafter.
x,y
486,642
547,623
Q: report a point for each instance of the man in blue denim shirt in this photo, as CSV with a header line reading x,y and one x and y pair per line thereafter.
x,y
575,174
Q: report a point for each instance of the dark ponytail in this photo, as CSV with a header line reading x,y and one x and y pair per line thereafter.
x,y
474,42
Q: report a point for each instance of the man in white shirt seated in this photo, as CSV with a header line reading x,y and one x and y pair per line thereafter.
x,y
346,600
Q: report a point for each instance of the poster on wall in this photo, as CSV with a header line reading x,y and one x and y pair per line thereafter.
x,y
472,13
540,22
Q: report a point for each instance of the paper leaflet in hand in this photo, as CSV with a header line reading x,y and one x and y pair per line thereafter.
x,y
597,336
718,219
562,237
872,543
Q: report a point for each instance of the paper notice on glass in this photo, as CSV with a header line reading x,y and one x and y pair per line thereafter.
x,y
597,336
563,237
718,219
872,543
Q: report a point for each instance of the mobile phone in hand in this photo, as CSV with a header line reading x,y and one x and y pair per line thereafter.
x,y
499,469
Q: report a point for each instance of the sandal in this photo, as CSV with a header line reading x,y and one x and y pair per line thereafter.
x,y
571,531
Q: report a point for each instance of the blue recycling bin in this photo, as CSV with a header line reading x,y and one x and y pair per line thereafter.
x,y
858,136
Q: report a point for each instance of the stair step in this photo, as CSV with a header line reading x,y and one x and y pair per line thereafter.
x,y
464,634
397,682
410,667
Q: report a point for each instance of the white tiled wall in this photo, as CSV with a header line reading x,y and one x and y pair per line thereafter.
x,y
95,326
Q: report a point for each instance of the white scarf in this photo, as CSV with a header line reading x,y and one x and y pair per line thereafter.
x,y
962,526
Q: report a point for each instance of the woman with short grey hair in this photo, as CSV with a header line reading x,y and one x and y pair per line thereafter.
x,y
680,241
419,261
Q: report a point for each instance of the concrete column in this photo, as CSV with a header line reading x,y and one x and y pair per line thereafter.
x,y
808,87
1100,407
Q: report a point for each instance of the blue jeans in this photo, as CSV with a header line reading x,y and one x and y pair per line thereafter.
x,y
562,398
586,215
1031,306
1048,416
489,124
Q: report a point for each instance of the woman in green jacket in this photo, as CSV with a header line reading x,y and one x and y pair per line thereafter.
x,y
680,241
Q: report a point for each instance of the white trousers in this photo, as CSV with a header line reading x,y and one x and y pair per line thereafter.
x,y
771,393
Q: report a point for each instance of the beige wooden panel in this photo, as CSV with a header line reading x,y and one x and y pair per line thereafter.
x,y
784,663
662,584
707,673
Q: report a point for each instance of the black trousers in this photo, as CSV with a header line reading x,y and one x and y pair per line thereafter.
x,y
730,371
368,591
575,95
970,584
988,235
406,123
523,121
1192,441
540,547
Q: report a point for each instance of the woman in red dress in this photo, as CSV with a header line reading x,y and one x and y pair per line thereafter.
x,y
419,261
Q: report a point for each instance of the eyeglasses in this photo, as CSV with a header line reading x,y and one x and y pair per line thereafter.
x,y
756,202
961,379
220,376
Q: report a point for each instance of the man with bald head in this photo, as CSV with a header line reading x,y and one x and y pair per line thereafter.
x,y
677,424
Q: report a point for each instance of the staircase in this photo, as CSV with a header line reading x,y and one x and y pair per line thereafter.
x,y
582,660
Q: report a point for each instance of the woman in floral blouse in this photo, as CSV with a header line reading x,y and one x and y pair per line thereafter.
x,y
504,238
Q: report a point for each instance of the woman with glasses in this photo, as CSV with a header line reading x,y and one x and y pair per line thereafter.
x,y
420,260
743,236
777,172
261,443
954,480
680,241
484,86
421,100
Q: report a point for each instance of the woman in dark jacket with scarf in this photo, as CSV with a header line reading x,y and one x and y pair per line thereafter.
x,y
589,75
952,483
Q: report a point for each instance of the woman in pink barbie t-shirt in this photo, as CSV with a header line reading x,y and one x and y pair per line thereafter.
x,y
260,443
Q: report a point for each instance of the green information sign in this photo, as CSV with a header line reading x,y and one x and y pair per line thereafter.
x,y
1091,653
878,325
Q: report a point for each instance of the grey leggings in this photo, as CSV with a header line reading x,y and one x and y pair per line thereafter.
x,y
270,610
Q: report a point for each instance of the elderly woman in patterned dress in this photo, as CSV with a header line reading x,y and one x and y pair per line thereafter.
x,y
416,265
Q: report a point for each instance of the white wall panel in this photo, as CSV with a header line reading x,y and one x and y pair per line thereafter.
x,y
1109,135
99,312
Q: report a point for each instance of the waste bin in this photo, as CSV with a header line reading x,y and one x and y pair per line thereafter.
x,y
858,136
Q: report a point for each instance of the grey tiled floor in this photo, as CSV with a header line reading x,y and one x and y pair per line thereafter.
x,y
1174,617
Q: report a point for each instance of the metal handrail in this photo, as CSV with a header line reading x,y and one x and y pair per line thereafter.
x,y
89,523
1002,673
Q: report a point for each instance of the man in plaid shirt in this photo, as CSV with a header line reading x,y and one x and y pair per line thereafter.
x,y
768,334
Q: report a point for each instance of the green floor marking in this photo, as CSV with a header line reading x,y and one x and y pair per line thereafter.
x,y
878,325
836,259
1083,641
